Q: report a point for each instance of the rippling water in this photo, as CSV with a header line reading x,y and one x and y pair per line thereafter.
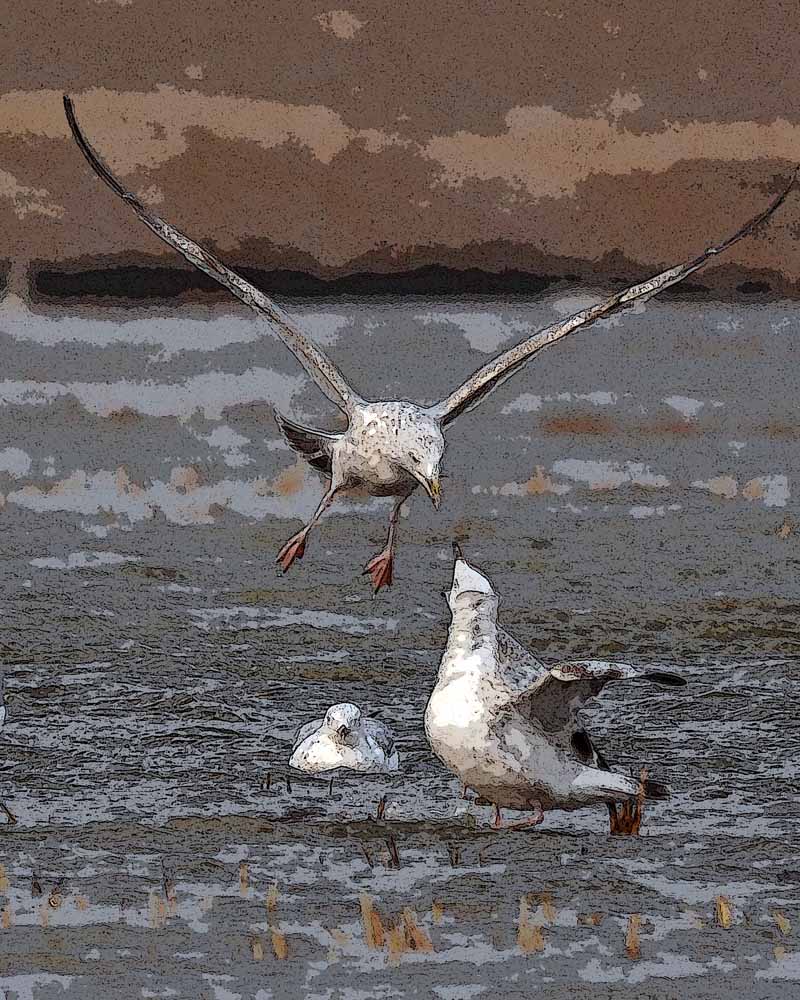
x,y
632,494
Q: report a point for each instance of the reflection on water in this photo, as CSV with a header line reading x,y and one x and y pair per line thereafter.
x,y
631,494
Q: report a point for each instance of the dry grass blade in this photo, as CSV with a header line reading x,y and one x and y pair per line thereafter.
x,y
782,921
272,899
373,928
437,912
723,912
548,909
529,935
244,880
416,937
158,911
257,948
396,939
394,854
279,945
632,947
3,879
5,918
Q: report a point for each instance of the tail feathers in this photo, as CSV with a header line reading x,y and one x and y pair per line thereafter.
x,y
596,784
662,677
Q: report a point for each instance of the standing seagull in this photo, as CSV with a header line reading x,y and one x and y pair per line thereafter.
x,y
390,446
507,725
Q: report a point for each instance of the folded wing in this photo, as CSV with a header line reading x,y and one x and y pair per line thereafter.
x,y
557,698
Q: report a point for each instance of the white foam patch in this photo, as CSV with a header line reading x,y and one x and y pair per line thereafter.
x,y
172,334
688,407
528,402
83,560
15,462
102,492
485,331
608,474
208,394
249,617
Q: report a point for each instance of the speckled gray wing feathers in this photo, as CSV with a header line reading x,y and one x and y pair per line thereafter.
x,y
380,735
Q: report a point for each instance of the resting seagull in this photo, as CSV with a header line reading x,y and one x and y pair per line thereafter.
x,y
507,725
344,739
390,447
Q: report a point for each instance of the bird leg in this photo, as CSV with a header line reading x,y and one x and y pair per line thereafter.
x,y
380,567
12,819
626,819
296,546
538,815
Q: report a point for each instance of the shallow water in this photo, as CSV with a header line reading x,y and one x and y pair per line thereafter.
x,y
631,494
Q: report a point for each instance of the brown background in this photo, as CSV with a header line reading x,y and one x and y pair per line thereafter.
x,y
556,138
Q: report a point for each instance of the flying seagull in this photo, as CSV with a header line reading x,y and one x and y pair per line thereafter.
x,y
390,447
508,726
344,739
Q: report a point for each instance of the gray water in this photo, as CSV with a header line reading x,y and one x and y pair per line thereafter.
x,y
631,494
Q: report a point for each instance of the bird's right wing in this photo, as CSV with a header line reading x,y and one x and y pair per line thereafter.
x,y
495,372
557,698
321,369
306,730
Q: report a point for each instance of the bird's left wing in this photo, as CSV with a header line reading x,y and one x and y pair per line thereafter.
x,y
306,730
495,372
318,365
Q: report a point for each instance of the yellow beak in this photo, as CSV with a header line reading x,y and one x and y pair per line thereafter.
x,y
434,491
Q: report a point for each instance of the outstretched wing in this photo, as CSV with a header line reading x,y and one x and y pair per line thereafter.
x,y
556,699
321,369
314,445
493,374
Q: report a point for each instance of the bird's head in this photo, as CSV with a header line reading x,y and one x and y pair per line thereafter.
x,y
342,719
466,580
423,450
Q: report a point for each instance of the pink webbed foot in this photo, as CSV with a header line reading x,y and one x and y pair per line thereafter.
x,y
380,569
534,820
293,549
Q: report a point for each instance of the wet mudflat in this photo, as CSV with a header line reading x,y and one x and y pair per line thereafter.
x,y
631,496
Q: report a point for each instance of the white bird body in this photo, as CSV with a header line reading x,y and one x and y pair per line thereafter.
x,y
374,450
344,739
506,724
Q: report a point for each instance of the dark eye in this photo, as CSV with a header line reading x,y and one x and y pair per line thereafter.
x,y
414,458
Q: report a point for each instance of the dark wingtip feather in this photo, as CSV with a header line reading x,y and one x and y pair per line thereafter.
x,y
662,677
655,790
457,554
